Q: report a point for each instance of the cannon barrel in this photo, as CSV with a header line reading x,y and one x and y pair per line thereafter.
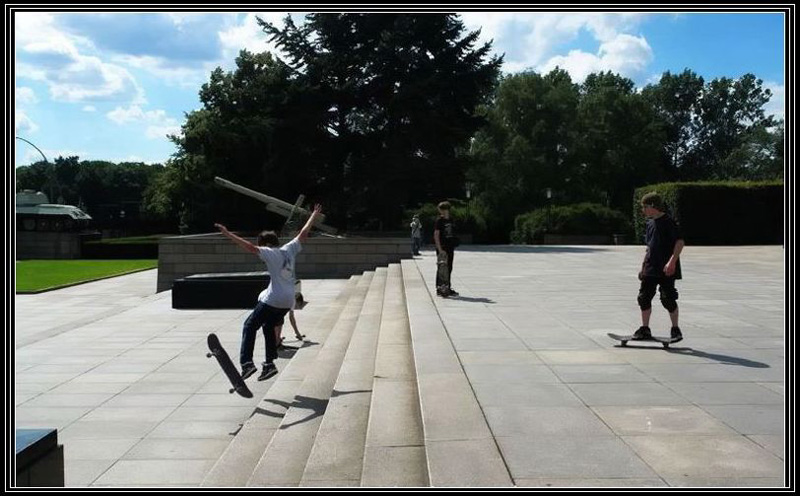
x,y
274,204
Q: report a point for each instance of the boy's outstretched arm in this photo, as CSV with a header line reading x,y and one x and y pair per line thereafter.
x,y
303,234
243,243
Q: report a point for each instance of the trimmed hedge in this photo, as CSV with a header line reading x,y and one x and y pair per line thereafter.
x,y
720,213
580,218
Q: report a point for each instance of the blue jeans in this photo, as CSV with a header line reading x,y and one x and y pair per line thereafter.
x,y
267,318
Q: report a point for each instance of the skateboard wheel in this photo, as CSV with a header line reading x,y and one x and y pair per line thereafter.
x,y
231,391
624,343
209,355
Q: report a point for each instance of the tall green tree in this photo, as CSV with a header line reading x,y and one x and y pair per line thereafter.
x,y
527,146
675,99
400,93
618,141
729,111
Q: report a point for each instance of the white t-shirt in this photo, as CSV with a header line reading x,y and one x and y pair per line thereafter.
x,y
280,265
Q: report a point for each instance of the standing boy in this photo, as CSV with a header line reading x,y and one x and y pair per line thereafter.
x,y
661,266
275,301
416,235
446,242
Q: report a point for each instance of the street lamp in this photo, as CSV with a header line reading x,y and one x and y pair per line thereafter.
x,y
549,194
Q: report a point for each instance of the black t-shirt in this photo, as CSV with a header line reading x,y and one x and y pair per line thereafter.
x,y
446,230
661,235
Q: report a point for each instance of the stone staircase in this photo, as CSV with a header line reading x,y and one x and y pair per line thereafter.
x,y
376,398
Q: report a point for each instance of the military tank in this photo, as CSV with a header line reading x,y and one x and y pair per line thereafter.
x,y
35,213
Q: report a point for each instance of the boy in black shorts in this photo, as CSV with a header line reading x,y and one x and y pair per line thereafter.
x,y
661,266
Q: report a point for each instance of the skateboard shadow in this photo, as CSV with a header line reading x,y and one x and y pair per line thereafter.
x,y
733,360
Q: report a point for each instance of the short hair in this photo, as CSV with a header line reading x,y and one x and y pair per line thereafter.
x,y
268,238
445,205
653,200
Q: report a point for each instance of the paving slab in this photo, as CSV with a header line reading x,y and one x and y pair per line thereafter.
x,y
613,410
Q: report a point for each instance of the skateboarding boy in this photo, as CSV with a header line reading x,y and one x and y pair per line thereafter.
x,y
275,301
661,266
446,242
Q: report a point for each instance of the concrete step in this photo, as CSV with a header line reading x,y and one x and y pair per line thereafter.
x,y
283,461
336,458
460,449
236,465
395,455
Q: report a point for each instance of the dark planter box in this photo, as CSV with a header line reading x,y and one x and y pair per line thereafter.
x,y
40,459
231,290
223,290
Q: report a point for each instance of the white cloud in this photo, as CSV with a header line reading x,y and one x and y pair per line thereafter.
x,y
24,95
249,35
624,54
23,123
776,104
89,108
533,40
158,132
45,53
157,122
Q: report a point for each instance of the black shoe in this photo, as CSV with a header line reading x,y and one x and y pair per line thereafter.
x,y
453,292
641,334
268,371
248,369
675,334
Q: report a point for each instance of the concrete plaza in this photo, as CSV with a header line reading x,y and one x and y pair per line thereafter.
x,y
125,380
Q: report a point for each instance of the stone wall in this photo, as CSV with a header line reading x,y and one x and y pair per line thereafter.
x,y
47,245
322,257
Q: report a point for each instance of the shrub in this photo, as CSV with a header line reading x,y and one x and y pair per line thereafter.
x,y
580,218
720,213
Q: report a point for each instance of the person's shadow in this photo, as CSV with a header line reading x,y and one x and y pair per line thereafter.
x,y
743,362
470,299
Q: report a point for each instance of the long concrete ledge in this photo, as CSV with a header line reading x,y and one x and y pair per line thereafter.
x,y
322,257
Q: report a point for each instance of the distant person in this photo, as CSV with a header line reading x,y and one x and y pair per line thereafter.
x,y
275,301
416,235
661,266
446,242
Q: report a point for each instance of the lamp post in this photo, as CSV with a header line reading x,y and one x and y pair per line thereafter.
x,y
549,194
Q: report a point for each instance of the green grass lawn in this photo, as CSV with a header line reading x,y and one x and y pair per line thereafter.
x,y
37,275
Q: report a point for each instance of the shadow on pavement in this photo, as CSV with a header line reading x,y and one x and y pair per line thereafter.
x,y
743,362
470,299
529,249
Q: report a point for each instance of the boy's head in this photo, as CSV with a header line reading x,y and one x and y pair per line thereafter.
x,y
444,207
268,238
653,200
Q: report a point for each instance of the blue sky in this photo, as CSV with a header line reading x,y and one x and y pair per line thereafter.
x,y
110,86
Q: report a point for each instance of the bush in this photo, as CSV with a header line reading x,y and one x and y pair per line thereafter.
x,y
720,213
581,218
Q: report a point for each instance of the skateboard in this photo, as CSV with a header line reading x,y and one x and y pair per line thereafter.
x,y
442,272
225,362
665,342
